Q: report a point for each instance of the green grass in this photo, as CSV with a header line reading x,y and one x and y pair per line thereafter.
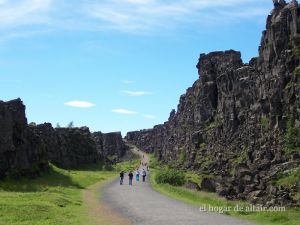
x,y
297,71
241,158
170,176
291,138
289,178
55,198
213,125
296,51
206,200
265,123
182,156
131,165
193,177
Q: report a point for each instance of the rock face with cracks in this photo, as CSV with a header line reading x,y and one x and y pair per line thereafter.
x,y
26,150
239,124
21,149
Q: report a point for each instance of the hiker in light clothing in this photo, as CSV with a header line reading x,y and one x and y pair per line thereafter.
x,y
137,175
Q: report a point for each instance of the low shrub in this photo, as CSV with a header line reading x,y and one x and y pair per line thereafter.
x,y
170,176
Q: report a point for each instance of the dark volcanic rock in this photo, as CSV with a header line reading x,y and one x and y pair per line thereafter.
x,y
21,150
208,185
72,147
28,149
110,145
233,121
52,144
113,146
67,147
76,147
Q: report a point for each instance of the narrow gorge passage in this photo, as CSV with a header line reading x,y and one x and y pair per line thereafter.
x,y
144,206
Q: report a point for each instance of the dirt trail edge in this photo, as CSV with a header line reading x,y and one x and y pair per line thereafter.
x,y
144,206
99,213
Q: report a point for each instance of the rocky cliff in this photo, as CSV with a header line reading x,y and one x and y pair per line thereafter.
x,y
28,149
239,124
110,145
21,149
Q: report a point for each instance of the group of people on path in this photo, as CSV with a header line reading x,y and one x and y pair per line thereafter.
x,y
138,174
131,175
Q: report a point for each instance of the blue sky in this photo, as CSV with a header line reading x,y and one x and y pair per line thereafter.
x,y
115,64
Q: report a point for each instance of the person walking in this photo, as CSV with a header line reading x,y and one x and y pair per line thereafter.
x,y
121,177
144,175
137,175
130,175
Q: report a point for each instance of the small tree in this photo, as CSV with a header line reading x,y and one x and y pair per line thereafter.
x,y
292,134
71,124
58,125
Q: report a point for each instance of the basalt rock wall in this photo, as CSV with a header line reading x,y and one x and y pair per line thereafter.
x,y
110,146
28,149
21,150
239,124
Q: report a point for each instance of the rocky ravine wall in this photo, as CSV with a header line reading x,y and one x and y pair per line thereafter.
x,y
110,145
240,123
21,150
27,149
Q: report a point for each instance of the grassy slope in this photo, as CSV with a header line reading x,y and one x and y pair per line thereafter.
x,y
204,199
54,198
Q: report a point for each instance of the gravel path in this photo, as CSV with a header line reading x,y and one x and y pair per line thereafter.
x,y
144,206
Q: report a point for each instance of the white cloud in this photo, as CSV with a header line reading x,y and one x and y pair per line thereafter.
x,y
142,15
124,111
80,104
137,93
128,81
134,16
149,116
141,2
24,12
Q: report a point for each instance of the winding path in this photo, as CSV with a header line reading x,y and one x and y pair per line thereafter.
x,y
144,206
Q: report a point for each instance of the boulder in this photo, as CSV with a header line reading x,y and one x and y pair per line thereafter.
x,y
208,184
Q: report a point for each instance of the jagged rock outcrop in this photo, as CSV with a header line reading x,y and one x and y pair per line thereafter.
x,y
76,147
240,123
110,145
28,149
72,147
113,146
21,150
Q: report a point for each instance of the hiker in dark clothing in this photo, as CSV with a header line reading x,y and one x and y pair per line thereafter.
x,y
130,175
144,175
121,177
